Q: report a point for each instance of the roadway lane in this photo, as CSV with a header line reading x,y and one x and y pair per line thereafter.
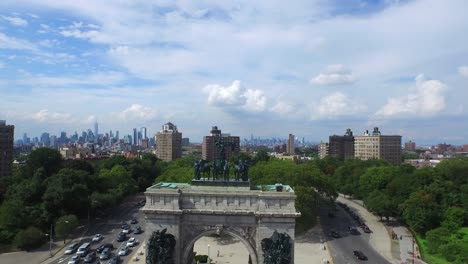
x,y
109,228
342,248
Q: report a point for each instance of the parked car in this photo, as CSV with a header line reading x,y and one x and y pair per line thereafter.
x,y
335,234
97,238
124,225
114,260
74,260
104,246
126,230
138,230
359,255
132,242
366,229
105,254
71,248
90,257
133,221
123,251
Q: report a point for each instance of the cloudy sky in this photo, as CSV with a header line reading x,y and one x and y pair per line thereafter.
x,y
268,68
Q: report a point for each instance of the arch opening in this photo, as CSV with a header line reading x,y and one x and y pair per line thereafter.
x,y
228,247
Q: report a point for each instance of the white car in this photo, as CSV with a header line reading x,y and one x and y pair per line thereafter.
x,y
132,242
74,260
123,251
126,230
97,237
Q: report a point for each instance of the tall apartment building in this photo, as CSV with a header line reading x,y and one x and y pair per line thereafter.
x,y
377,146
342,147
290,148
169,143
323,150
6,148
210,151
410,146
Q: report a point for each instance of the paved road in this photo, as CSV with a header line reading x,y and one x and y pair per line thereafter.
x,y
342,248
110,227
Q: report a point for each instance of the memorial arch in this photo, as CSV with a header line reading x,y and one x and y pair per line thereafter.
x,y
250,214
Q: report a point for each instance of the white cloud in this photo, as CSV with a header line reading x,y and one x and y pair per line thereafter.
x,y
138,112
2,65
335,105
426,99
463,71
45,115
334,75
14,43
236,96
16,21
281,108
98,78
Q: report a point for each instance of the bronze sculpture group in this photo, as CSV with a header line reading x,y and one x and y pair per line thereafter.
x,y
219,170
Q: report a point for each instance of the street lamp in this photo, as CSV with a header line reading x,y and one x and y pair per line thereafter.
x,y
50,240
209,261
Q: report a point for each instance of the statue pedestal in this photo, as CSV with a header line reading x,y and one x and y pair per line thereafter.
x,y
220,183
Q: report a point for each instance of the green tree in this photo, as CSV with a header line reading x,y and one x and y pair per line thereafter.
x,y
421,212
49,159
65,225
381,204
262,155
29,238
453,218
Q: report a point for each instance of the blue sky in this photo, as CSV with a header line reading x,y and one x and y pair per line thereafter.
x,y
312,68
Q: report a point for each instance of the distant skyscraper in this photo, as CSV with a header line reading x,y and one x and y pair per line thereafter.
x,y
290,148
96,129
209,150
135,136
6,148
117,134
143,133
169,143
45,139
377,146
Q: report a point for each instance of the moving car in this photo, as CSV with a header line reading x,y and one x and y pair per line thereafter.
x,y
138,230
114,260
133,221
366,229
74,260
97,237
359,255
71,248
104,246
126,230
354,231
123,251
132,242
90,257
122,237
335,234
83,249
105,254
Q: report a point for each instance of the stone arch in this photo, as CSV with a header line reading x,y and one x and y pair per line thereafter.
x,y
188,247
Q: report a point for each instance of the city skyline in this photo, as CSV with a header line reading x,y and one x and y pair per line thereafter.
x,y
310,68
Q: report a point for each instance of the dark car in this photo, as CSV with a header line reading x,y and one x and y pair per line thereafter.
x,y
90,257
124,225
133,221
114,260
354,231
121,237
104,246
359,255
366,229
138,230
335,234
105,254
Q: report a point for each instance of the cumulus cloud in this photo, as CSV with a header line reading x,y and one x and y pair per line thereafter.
x,y
16,21
235,96
334,75
335,105
45,115
463,71
281,108
426,99
138,112
7,42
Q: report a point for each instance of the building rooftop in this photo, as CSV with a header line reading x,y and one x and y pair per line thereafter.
x,y
264,188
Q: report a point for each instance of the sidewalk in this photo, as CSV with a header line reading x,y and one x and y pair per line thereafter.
x,y
407,246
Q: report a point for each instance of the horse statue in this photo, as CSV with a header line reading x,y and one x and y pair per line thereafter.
x,y
241,171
